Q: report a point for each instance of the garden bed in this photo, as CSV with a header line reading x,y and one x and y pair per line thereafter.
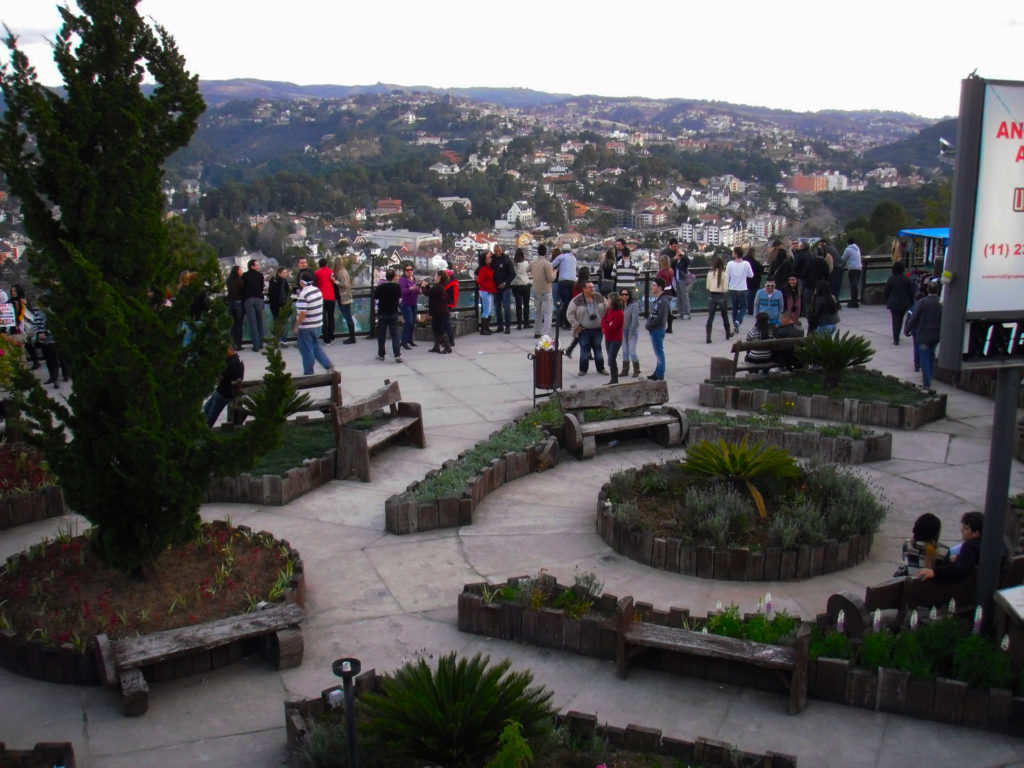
x,y
64,653
290,474
27,487
633,745
666,517
595,633
447,497
756,393
938,670
805,440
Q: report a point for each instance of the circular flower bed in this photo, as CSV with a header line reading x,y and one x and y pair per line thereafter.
x,y
744,526
57,596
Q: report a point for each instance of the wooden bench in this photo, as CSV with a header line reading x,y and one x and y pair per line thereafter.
x,y
790,663
663,422
399,419
327,405
895,598
723,367
178,651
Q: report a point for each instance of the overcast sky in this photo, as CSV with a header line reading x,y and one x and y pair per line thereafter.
x,y
787,54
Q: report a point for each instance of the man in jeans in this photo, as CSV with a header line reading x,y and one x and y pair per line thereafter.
x,y
925,323
389,295
309,312
657,322
584,314
252,301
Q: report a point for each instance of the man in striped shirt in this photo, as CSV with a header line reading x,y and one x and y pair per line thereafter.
x,y
309,307
625,272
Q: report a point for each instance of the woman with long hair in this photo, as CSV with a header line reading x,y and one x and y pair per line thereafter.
x,y
611,326
235,304
582,278
718,286
521,285
488,290
343,292
668,274
607,267
630,331
823,314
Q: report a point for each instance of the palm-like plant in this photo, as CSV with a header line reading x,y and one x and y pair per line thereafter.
x,y
835,353
741,462
454,715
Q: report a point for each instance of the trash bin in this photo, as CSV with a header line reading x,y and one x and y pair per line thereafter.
x,y
547,368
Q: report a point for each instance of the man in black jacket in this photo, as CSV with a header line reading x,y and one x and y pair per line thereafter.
x,y
252,301
504,271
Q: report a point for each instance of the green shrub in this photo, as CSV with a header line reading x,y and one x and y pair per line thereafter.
x,y
938,640
849,505
909,655
800,523
513,750
719,513
834,353
758,628
830,645
876,650
980,663
455,714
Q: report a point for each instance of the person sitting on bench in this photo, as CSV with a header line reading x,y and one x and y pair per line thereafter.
x,y
923,549
970,552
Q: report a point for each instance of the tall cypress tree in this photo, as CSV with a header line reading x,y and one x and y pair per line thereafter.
x,y
130,445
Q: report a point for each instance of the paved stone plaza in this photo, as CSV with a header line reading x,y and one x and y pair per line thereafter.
x,y
384,598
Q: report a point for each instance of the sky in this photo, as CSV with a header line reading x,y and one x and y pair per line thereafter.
x,y
787,54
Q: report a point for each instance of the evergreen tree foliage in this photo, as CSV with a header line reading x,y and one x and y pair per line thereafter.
x,y
119,283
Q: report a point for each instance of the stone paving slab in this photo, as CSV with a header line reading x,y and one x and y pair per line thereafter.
x,y
385,598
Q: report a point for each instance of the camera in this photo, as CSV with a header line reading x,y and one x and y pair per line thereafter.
x,y
593,317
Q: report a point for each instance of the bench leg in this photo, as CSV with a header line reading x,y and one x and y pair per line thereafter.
x,y
667,434
134,693
283,649
589,447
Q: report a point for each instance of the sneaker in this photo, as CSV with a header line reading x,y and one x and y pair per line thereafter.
x,y
381,358
398,359
349,341
581,373
686,317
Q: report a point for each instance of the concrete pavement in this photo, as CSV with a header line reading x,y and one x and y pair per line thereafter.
x,y
384,598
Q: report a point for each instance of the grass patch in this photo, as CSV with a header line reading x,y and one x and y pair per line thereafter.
x,y
869,386
299,441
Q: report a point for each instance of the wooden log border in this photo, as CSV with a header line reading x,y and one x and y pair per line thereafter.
x,y
63,664
21,508
739,395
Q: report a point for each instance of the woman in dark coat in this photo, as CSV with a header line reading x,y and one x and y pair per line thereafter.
x,y
437,306
899,297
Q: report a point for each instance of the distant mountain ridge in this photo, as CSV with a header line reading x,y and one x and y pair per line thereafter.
x,y
220,91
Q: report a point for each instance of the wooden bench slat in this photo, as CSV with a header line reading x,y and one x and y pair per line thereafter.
x,y
632,394
712,646
626,422
386,430
173,643
382,398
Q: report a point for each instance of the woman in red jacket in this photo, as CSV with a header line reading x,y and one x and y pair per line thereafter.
x,y
611,326
488,290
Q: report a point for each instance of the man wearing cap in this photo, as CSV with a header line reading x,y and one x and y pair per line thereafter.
x,y
309,310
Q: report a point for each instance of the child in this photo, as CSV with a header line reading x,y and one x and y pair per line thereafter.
x,y
611,326
923,550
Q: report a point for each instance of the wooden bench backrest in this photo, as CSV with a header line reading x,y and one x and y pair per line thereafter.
x,y
330,379
386,397
888,594
772,345
634,394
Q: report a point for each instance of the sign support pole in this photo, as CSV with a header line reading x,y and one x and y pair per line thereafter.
x,y
999,462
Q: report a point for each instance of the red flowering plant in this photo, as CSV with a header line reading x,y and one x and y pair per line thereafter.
x,y
22,469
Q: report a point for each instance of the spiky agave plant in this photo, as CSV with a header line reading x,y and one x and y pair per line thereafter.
x,y
835,353
741,462
454,715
